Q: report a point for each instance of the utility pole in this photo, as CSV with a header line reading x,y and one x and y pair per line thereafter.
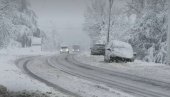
x,y
110,11
168,38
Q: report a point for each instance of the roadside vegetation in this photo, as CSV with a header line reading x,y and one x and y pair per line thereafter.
x,y
5,93
17,24
142,23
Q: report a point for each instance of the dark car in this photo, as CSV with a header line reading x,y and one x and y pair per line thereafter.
x,y
98,49
76,48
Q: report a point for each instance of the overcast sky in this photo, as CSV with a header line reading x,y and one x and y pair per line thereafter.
x,y
65,16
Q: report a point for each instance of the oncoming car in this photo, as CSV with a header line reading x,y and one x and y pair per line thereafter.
x,y
64,49
76,48
118,51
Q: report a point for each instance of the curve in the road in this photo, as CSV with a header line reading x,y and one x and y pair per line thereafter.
x,y
122,86
29,72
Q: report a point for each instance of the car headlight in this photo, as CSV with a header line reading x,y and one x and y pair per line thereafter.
x,y
61,50
67,50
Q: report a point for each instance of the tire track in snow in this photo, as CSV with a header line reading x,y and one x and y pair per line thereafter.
x,y
128,88
29,72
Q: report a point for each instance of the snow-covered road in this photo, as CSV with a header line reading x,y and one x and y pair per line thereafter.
x,y
88,81
42,68
15,79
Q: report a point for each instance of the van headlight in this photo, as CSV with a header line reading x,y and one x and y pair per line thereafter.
x,y
61,50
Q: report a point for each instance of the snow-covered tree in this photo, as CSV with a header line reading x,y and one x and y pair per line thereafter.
x,y
168,32
96,20
50,40
143,23
16,21
136,7
149,35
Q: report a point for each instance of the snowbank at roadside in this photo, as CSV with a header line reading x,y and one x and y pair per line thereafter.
x,y
140,68
14,79
24,52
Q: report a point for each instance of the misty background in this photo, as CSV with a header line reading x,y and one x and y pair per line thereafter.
x,y
64,16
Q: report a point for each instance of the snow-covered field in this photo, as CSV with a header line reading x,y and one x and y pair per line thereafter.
x,y
140,68
14,79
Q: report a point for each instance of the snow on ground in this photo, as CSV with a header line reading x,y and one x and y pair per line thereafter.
x,y
24,52
140,68
75,84
14,79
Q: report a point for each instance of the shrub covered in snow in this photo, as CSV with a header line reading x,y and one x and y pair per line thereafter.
x,y
17,22
5,93
149,35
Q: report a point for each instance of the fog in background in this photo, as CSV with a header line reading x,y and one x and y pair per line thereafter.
x,y
64,16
